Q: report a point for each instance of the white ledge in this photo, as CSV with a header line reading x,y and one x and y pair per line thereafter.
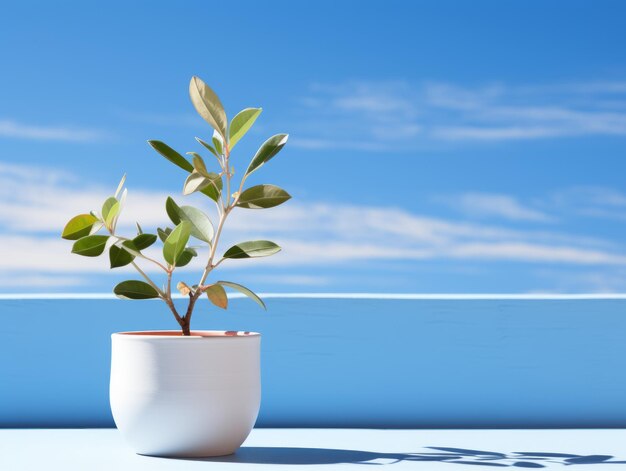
x,y
328,449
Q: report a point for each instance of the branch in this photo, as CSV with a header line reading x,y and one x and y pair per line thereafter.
x,y
160,265
223,215
147,278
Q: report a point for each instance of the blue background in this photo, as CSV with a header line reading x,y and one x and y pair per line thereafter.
x,y
345,362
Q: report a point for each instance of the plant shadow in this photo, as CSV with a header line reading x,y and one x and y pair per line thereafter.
x,y
461,456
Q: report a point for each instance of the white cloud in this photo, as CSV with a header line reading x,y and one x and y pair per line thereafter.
x,y
537,252
607,280
13,129
320,143
292,280
312,234
398,115
189,120
591,201
384,100
45,281
43,200
568,203
464,133
495,205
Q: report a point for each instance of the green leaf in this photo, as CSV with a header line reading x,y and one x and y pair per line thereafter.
x,y
201,227
216,182
79,226
218,143
172,210
268,149
139,229
208,105
185,257
171,155
195,182
90,246
252,249
118,257
135,289
120,186
210,186
163,233
211,190
129,247
199,165
143,241
112,214
175,243
262,196
108,204
241,123
208,146
217,295
244,290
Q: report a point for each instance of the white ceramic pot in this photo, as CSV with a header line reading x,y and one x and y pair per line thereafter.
x,y
185,396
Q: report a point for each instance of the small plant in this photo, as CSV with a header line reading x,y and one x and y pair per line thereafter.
x,y
188,221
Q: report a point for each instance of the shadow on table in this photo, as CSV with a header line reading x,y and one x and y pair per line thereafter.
x,y
319,456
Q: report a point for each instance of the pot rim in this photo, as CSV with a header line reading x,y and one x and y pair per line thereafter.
x,y
176,334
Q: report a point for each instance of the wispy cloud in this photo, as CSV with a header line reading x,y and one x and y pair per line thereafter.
x,y
189,120
45,281
312,234
591,201
571,203
16,130
385,233
488,205
305,281
399,115
606,280
42,199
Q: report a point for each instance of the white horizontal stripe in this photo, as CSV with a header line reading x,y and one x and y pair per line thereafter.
x,y
434,296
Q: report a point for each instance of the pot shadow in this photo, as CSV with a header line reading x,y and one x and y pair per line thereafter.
x,y
461,456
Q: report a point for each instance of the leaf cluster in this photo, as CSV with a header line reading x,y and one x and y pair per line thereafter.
x,y
95,232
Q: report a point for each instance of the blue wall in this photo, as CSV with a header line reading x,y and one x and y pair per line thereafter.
x,y
345,362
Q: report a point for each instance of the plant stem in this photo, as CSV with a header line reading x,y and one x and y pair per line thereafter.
x,y
147,278
216,238
165,296
228,174
223,215
169,284
170,304
226,207
160,265
193,297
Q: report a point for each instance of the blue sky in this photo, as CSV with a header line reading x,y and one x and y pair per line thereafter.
x,y
434,146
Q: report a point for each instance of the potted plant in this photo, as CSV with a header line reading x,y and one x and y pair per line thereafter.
x,y
185,392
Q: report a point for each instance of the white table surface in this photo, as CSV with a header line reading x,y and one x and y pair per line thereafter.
x,y
312,449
